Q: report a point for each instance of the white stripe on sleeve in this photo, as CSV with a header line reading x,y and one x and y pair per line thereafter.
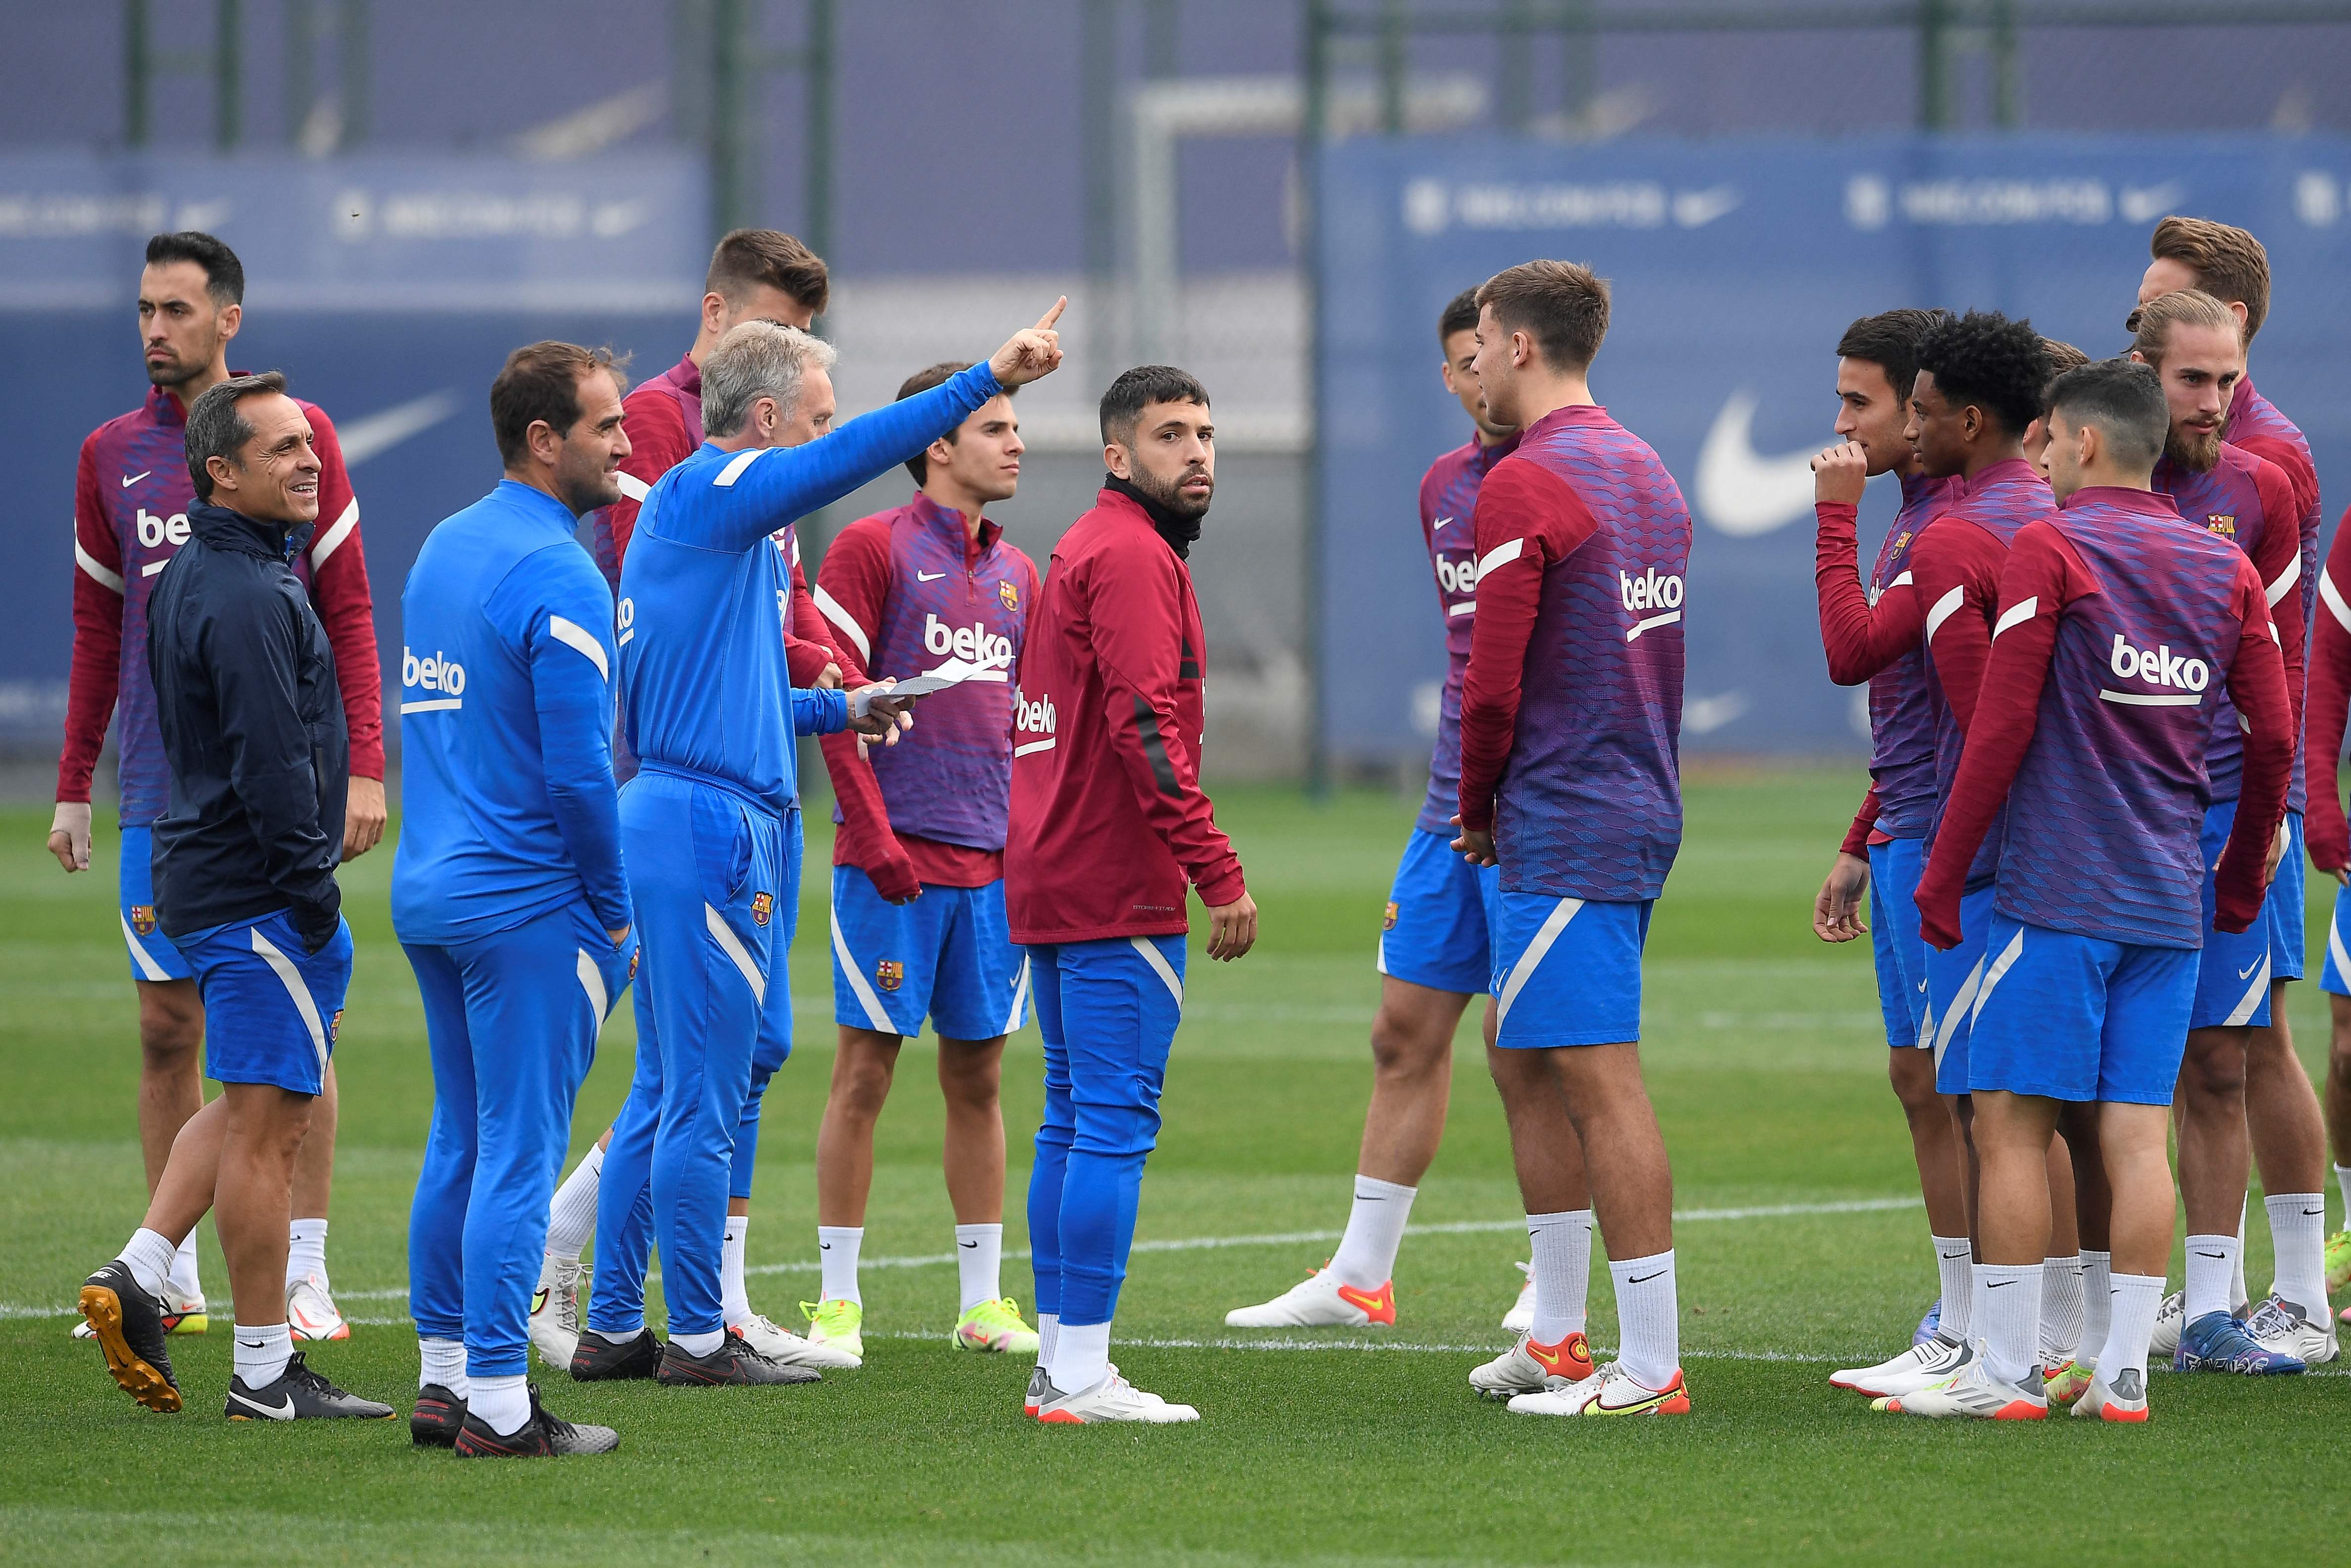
x,y
113,580
1944,609
2017,614
2328,595
2286,579
328,542
1501,555
838,613
631,488
571,634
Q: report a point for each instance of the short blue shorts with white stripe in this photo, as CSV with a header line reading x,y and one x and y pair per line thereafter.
x,y
152,956
1567,971
947,954
271,1009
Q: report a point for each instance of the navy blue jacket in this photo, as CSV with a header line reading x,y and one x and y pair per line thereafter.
x,y
253,728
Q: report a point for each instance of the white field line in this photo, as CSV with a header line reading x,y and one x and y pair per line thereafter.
x,y
1185,1244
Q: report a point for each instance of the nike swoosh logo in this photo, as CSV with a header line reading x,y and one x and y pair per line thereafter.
x,y
1695,209
1440,524
1645,1279
1741,491
824,1246
130,479
275,1412
967,1243
928,576
2247,971
1998,1285
2203,1254
537,1303
2308,1212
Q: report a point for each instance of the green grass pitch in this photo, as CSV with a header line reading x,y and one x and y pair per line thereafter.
x,y
1767,1065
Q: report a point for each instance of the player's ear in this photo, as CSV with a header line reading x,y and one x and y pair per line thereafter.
x,y
222,472
714,312
232,317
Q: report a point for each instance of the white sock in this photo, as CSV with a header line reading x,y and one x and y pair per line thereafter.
x,y
1955,1265
306,1249
1367,1252
2136,1299
149,1255
1562,1274
184,1268
1979,1305
2298,1234
442,1361
2061,1306
2237,1291
980,1260
836,1253
698,1343
2343,1186
2210,1260
261,1354
618,1336
2097,1306
503,1402
571,1218
1649,1318
1080,1358
733,1300
1049,1334
2012,1325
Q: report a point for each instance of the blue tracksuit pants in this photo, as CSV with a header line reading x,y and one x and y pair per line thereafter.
x,y
1108,1010
511,1020
715,880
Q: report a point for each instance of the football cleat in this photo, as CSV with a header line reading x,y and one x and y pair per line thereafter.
x,y
543,1437
1929,1325
555,1311
734,1365
183,1312
2219,1342
2277,1324
599,1360
780,1344
839,1325
128,1324
1974,1392
2338,1262
1611,1391
994,1327
300,1394
1111,1399
1921,1366
1319,1300
1522,1316
310,1311
2170,1317
1528,1368
438,1418
1041,1388
2065,1384
2125,1399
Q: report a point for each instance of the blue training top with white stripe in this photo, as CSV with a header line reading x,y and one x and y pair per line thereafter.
x,y
508,807
706,600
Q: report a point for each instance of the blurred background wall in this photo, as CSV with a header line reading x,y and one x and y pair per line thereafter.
x,y
1276,193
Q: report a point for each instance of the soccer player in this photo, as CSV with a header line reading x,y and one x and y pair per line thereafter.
x,y
1434,953
1571,720
2330,851
132,501
1976,396
2117,631
252,723
710,826
507,891
2192,341
1109,824
918,923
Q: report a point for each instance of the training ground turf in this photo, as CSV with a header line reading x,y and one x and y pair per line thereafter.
x,y
1801,1251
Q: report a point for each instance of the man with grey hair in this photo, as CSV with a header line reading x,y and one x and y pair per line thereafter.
x,y
710,826
244,887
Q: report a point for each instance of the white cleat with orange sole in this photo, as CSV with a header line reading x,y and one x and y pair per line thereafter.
x,y
1319,1300
310,1311
1111,1399
1611,1391
1975,1393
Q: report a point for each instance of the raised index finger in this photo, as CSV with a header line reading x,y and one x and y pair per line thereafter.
x,y
1045,321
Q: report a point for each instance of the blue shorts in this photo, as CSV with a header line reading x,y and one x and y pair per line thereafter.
x,y
948,954
2336,975
2283,910
1953,979
1435,932
1901,952
271,1011
2078,1017
152,956
1567,971
2232,982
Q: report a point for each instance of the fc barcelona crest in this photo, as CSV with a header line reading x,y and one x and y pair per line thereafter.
x,y
635,954
335,1027
763,905
890,973
1389,923
2221,523
142,919
1009,594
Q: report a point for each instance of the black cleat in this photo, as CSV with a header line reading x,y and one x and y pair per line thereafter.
x,y
129,1326
438,1415
543,1437
597,1360
733,1365
300,1394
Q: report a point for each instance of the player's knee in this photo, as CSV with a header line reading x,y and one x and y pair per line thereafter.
x,y
2214,1070
1406,1048
170,1026
970,1077
861,1086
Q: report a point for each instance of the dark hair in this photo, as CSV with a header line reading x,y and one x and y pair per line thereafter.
x,y
215,428
751,258
1559,304
224,273
1137,389
2062,356
1890,340
2123,400
1460,315
2229,263
541,382
923,381
1984,358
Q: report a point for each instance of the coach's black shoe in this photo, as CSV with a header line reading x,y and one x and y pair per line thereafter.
x,y
300,1394
733,1363
128,1325
597,1360
438,1417
543,1437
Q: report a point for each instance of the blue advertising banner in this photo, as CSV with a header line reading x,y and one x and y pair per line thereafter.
x,y
1734,268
